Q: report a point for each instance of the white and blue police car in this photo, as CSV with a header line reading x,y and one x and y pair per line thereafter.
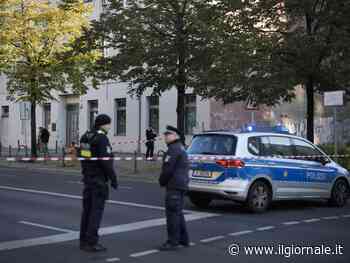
x,y
259,165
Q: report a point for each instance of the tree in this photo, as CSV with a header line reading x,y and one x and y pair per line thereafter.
x,y
42,51
158,44
297,42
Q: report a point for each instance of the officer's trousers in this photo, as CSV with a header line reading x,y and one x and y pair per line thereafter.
x,y
176,224
150,149
94,198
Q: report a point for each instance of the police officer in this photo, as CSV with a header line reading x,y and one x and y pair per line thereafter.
x,y
96,177
174,177
150,138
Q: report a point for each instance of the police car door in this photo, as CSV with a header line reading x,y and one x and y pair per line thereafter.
x,y
286,171
316,176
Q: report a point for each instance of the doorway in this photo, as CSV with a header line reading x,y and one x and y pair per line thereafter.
x,y
72,124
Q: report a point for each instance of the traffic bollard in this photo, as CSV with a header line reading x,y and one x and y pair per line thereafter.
x,y
63,157
135,162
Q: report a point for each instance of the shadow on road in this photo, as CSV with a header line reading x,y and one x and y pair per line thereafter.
x,y
229,207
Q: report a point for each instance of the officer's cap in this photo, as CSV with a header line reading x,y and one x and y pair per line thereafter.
x,y
102,119
172,130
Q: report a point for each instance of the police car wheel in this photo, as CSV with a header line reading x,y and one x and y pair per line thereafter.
x,y
200,200
339,194
259,197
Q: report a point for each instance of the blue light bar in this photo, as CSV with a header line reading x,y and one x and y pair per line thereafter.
x,y
279,128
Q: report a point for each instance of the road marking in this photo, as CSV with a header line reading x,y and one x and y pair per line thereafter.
x,y
46,227
144,253
112,259
330,217
346,216
211,239
26,190
77,197
103,231
265,228
241,233
291,223
311,220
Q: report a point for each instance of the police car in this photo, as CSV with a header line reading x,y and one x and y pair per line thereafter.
x,y
259,165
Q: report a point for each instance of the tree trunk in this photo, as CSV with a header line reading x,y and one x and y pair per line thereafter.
x,y
310,108
180,110
181,75
33,129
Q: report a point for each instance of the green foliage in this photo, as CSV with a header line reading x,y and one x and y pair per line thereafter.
x,y
158,45
39,48
296,42
343,150
43,52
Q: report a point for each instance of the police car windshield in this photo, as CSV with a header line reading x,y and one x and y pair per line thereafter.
x,y
213,144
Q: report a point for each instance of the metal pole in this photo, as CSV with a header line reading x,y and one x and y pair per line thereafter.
x,y
335,131
139,122
63,156
18,147
252,116
135,163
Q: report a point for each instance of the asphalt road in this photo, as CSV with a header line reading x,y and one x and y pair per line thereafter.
x,y
40,213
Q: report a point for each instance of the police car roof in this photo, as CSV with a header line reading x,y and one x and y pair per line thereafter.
x,y
248,134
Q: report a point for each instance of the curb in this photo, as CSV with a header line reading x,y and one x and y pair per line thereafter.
x,y
146,178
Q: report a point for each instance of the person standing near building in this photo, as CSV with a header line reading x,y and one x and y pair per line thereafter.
x,y
96,177
44,136
150,138
174,177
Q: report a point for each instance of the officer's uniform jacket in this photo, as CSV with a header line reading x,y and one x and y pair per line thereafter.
x,y
174,174
100,171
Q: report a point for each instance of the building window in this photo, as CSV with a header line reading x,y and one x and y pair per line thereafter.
x,y
153,113
190,113
93,111
24,110
120,114
5,111
47,115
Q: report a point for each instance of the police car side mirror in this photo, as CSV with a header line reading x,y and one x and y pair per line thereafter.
x,y
322,159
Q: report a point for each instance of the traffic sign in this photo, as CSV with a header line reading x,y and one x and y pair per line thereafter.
x,y
334,98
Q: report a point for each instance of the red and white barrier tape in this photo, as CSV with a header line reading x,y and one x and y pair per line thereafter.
x,y
192,158
135,141
29,159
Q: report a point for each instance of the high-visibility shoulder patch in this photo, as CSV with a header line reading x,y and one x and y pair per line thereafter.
x,y
109,149
167,158
85,153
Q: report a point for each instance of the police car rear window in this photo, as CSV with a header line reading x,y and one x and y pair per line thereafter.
x,y
213,144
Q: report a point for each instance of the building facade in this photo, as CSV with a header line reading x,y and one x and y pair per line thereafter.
x,y
70,115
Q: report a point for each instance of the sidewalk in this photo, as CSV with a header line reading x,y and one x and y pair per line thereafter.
x,y
145,171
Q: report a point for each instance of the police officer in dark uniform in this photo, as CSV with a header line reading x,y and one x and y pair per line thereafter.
x,y
150,138
174,177
97,175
